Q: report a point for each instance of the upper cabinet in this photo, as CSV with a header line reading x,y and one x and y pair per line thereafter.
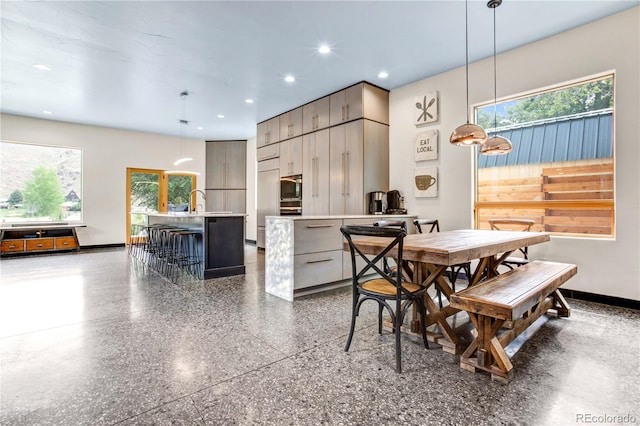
x,y
291,124
226,165
315,115
359,101
291,157
268,132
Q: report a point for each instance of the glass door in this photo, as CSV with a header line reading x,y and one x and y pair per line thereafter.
x,y
154,191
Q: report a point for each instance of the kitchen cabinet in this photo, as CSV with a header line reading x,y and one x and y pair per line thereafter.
x,y
359,164
291,157
226,200
268,195
353,124
359,101
315,173
291,124
268,132
268,152
315,115
305,254
226,165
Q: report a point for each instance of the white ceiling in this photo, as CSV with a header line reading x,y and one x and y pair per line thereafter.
x,y
123,64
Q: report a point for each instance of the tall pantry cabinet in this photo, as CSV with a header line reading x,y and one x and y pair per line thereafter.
x,y
344,149
225,183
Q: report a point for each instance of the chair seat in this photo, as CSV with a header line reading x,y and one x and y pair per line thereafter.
x,y
382,286
516,260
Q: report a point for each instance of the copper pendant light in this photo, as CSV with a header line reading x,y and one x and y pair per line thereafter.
x,y
468,133
495,145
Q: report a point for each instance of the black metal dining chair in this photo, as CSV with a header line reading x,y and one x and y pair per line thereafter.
x,y
401,224
383,288
454,270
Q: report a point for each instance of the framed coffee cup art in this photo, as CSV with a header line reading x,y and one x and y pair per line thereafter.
x,y
426,182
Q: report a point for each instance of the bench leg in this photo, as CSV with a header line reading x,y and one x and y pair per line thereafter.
x,y
560,304
485,352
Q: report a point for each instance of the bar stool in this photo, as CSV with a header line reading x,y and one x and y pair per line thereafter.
x,y
189,253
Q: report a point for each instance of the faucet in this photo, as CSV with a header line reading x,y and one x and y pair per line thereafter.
x,y
191,196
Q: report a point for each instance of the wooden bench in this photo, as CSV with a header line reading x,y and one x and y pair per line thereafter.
x,y
520,296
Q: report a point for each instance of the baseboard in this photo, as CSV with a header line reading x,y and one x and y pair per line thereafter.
x,y
102,246
599,298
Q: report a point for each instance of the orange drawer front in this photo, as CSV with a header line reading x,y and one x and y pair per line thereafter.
x,y
39,244
65,243
12,245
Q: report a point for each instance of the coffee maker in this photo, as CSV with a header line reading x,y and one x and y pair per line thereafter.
x,y
376,202
395,203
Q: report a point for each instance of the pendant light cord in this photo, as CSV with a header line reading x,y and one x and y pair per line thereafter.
x,y
466,44
495,76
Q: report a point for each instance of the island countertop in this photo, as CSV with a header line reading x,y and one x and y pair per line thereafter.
x,y
201,214
373,217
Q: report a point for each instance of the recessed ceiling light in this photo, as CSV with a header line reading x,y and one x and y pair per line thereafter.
x,y
249,101
289,79
324,49
47,112
42,67
383,74
200,128
220,116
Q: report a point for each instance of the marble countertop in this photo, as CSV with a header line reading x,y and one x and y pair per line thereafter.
x,y
350,216
200,214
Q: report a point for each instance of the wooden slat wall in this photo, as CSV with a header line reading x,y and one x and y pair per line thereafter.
x,y
580,182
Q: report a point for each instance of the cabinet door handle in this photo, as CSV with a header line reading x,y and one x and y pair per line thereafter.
x,y
65,243
343,172
347,178
347,111
319,226
327,259
13,246
317,177
40,245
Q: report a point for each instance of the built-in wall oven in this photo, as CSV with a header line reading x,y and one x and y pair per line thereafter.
x,y
291,195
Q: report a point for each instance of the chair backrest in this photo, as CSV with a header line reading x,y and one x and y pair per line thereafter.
x,y
369,263
419,223
391,224
511,224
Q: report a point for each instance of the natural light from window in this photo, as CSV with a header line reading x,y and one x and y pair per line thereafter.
x,y
40,183
560,173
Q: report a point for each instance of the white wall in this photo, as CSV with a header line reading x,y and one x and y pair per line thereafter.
x,y
105,157
251,232
608,267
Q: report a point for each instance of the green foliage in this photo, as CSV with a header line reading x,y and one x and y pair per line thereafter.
x,y
76,207
179,189
15,198
592,96
144,191
43,193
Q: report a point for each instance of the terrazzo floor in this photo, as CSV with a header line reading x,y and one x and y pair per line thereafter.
x,y
94,338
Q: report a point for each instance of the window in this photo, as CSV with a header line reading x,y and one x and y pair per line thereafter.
x,y
40,183
561,170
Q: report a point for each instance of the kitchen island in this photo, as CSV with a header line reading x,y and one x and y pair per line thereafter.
x,y
304,254
222,247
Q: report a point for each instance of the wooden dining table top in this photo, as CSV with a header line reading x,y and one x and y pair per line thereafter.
x,y
454,247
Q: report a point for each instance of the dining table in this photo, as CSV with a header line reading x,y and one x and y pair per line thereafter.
x,y
426,258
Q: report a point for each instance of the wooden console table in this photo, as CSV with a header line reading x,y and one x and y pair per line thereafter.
x,y
38,238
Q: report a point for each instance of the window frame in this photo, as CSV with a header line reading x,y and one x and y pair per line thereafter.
x,y
591,204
